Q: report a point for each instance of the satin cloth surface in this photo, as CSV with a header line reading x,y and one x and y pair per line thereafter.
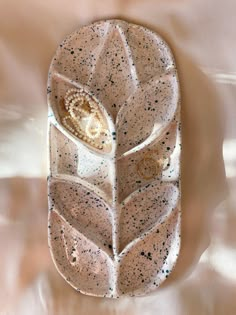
x,y
202,37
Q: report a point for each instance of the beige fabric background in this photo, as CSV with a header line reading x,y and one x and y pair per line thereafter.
x,y
202,36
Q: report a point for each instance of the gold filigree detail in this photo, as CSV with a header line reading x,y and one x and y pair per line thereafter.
x,y
151,165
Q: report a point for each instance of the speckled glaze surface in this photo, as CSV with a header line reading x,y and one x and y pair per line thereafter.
x,y
115,143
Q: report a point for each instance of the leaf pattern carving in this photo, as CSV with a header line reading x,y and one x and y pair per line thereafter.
x,y
115,136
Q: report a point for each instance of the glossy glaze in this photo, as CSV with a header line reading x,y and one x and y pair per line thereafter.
x,y
114,184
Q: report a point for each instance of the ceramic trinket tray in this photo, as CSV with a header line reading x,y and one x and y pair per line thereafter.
x,y
115,144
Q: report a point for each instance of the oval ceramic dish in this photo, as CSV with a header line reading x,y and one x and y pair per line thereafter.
x,y
114,184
